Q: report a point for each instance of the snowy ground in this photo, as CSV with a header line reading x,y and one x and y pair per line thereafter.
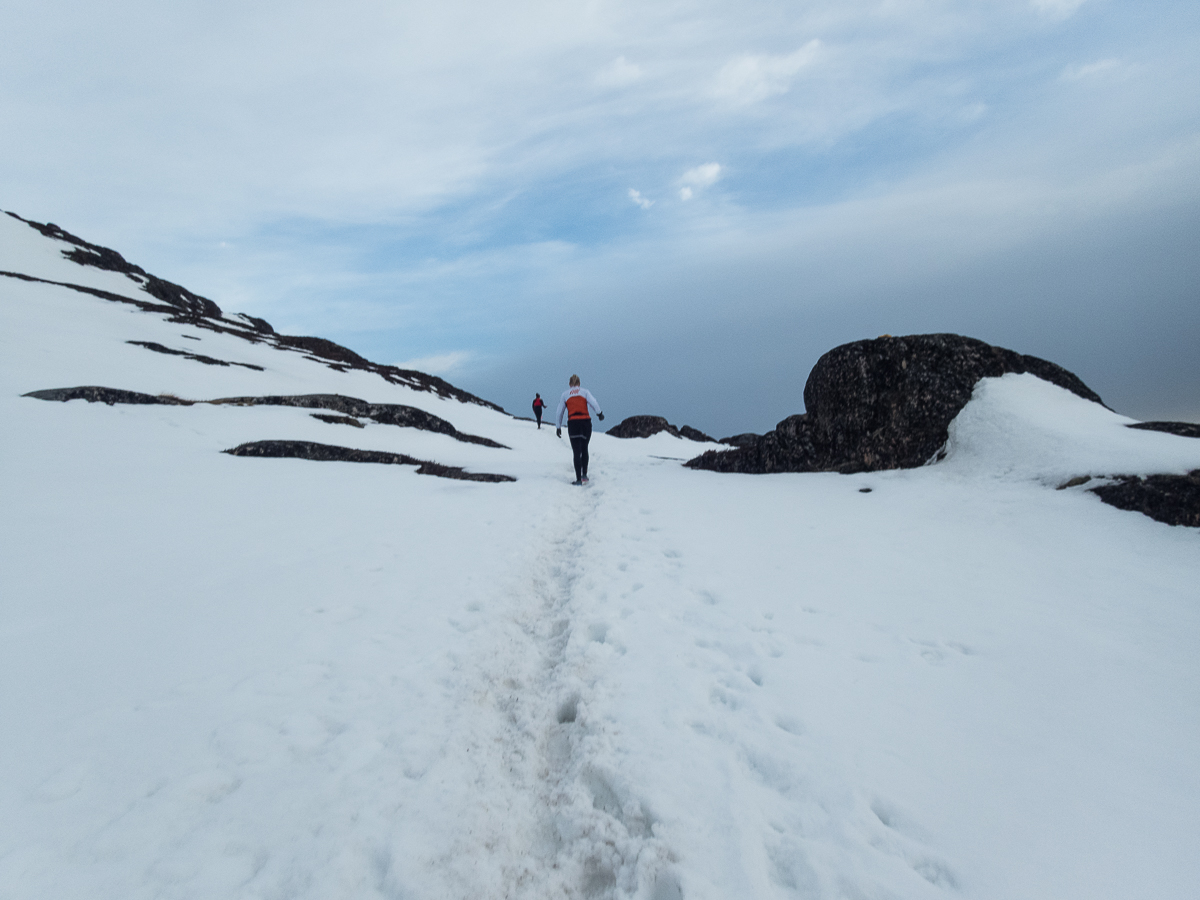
x,y
227,677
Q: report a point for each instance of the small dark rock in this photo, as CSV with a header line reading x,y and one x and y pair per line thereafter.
x,y
1173,499
1074,482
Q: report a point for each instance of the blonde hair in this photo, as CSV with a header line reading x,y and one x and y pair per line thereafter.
x,y
574,382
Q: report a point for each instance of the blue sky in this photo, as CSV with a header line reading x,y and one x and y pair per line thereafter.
x,y
686,203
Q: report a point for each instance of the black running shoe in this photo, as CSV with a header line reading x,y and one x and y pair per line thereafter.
x,y
577,482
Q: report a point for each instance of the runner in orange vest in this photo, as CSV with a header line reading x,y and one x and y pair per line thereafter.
x,y
538,405
574,406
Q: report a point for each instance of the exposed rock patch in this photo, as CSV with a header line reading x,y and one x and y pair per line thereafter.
x,y
1173,499
882,404
645,426
330,453
383,413
96,394
1182,429
198,357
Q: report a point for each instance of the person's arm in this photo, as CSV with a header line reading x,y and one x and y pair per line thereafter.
x,y
562,408
593,404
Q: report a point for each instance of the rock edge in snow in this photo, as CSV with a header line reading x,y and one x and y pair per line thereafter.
x,y
331,453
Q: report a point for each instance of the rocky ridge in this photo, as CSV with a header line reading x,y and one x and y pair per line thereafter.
x,y
181,305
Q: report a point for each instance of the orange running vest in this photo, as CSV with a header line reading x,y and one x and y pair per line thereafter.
x,y
577,407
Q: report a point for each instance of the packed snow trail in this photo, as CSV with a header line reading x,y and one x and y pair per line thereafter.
x,y
543,811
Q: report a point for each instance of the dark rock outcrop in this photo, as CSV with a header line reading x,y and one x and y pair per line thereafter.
x,y
383,413
694,434
1173,499
1181,429
97,394
882,404
198,357
330,453
642,427
645,426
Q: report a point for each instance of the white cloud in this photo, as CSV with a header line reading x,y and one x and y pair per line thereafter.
x,y
440,364
619,73
1057,9
1090,70
697,178
702,176
636,197
749,79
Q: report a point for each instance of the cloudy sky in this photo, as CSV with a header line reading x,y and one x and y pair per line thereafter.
x,y
685,202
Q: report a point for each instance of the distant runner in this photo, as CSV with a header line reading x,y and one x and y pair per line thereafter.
x,y
575,403
538,405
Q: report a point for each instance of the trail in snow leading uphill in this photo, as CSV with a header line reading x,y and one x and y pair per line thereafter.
x,y
545,813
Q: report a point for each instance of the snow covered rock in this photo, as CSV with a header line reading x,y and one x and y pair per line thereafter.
x,y
883,404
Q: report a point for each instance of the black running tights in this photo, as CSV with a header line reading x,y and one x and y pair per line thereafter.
x,y
580,432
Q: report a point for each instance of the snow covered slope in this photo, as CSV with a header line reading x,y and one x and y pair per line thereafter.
x,y
227,677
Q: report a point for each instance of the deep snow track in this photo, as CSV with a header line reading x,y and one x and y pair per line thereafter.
x,y
566,825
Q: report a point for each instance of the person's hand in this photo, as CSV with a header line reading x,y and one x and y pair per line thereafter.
x,y
601,416
558,432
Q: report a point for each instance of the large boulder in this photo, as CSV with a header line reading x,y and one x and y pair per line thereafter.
x,y
645,426
882,404
642,427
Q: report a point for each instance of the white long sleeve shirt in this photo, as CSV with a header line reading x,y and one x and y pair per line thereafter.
x,y
576,402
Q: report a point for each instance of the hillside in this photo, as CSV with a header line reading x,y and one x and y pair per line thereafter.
x,y
247,676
